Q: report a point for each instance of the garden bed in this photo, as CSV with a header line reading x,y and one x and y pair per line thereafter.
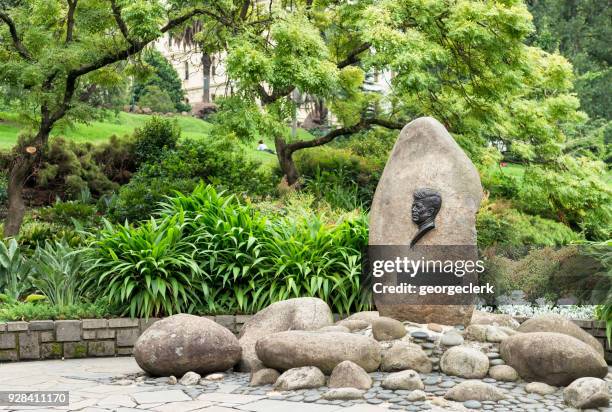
x,y
65,339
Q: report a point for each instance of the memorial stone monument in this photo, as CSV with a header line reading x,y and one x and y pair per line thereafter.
x,y
425,205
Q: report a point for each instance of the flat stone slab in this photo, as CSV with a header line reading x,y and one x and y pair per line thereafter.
x,y
161,396
229,398
268,405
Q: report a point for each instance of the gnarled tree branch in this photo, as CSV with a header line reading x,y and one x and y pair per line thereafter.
x,y
17,44
353,56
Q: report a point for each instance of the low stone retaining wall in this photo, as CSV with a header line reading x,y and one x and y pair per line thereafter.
x,y
48,339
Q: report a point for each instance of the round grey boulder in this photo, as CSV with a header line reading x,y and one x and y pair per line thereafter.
x,y
348,374
474,390
384,328
556,323
291,314
407,380
293,349
451,337
353,324
553,358
540,388
586,393
500,319
307,377
503,373
405,355
465,362
182,343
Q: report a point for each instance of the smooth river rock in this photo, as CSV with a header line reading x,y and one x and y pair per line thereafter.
x,y
465,362
182,343
348,374
552,358
426,156
293,349
585,393
405,355
474,390
553,322
291,314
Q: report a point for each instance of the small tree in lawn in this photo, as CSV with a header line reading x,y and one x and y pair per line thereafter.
x,y
55,54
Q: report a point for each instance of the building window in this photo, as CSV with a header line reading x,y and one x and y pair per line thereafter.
x,y
186,70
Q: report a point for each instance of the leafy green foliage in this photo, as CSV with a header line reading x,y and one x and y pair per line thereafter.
x,y
208,253
160,87
56,273
154,137
157,100
14,270
498,223
26,311
146,271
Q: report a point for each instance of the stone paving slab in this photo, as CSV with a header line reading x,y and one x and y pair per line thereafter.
x,y
161,396
268,405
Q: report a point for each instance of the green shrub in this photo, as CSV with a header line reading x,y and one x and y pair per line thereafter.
x,y
57,273
154,137
575,194
146,271
14,270
498,223
66,213
27,311
338,169
157,100
116,158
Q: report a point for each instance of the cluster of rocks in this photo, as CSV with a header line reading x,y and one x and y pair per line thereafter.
x,y
149,111
294,347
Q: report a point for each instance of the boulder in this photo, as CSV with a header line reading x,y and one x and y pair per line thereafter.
x,y
586,393
343,394
190,379
495,334
292,349
540,388
553,358
465,362
335,328
451,337
291,314
405,355
426,156
182,343
353,324
416,396
348,374
500,319
384,328
366,316
556,323
306,377
408,380
476,332
503,373
474,390
264,376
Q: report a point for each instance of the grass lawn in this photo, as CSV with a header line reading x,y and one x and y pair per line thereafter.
x,y
124,124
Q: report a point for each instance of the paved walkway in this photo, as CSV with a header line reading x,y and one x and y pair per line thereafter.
x,y
85,380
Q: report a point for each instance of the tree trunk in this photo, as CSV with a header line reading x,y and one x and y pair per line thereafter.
x,y
285,160
206,66
21,168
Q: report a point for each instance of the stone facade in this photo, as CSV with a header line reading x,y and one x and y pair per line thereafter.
x,y
65,339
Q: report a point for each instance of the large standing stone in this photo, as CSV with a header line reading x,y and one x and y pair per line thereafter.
x,y
553,358
293,349
307,377
585,393
556,323
465,362
405,355
426,156
291,314
348,374
183,343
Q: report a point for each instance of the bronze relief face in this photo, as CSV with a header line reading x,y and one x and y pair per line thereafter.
x,y
425,208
